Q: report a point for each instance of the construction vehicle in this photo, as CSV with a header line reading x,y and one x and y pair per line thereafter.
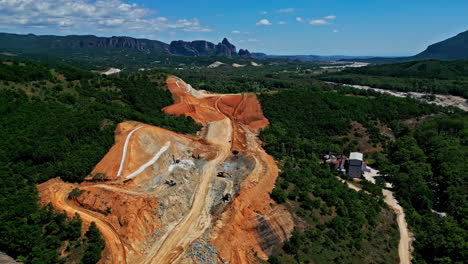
x,y
171,183
224,174
226,198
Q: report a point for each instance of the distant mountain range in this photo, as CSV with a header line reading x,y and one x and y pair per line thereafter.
x,y
89,46
308,57
52,45
454,48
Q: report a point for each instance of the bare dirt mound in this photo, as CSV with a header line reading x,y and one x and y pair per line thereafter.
x,y
155,195
252,224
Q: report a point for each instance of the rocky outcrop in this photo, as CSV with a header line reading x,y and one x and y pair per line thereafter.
x,y
143,45
244,54
51,44
205,48
181,47
227,48
259,55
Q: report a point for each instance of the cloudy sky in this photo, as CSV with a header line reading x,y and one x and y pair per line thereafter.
x,y
324,27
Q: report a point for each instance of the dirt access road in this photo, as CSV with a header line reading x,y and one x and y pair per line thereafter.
x,y
406,238
113,243
197,220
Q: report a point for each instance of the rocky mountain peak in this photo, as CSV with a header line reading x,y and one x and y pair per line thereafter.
x,y
205,48
244,53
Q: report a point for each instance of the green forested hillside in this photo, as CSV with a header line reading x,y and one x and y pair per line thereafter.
x,y
454,48
451,49
60,123
420,76
270,77
426,165
338,225
428,168
433,69
88,52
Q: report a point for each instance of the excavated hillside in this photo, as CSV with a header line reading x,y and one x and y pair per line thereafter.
x,y
161,197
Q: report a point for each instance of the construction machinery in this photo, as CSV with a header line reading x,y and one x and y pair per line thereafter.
x,y
174,160
226,198
224,174
171,183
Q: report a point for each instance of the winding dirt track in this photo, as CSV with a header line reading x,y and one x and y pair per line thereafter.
x,y
404,246
110,235
192,226
197,220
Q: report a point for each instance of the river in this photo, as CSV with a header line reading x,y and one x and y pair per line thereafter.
x,y
440,99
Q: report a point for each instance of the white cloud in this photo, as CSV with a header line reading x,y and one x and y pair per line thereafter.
x,y
235,32
80,16
281,23
263,13
335,31
112,22
286,10
330,17
299,19
318,22
263,22
250,40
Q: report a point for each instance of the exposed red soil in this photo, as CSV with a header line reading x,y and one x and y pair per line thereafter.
x,y
236,235
127,216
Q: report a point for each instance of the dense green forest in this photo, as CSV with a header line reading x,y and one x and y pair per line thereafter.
x,y
252,79
339,225
428,168
431,76
131,61
60,123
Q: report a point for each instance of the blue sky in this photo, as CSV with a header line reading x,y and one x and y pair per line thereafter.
x,y
323,27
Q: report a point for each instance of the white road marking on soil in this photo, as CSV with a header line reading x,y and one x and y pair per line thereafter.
x,y
124,152
150,162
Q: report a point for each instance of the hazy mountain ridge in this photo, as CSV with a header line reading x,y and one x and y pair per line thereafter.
x,y
309,57
454,48
50,44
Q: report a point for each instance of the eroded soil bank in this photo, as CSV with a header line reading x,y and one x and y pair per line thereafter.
x,y
156,196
